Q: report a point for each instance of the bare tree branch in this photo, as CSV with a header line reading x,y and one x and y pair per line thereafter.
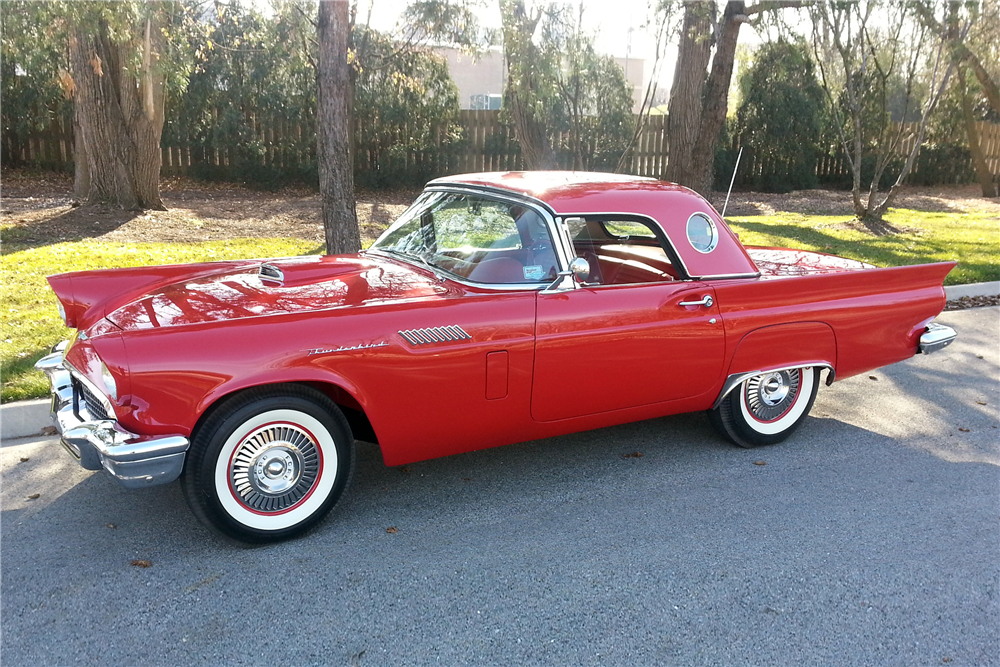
x,y
962,54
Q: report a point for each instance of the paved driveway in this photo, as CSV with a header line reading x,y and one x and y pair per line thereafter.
x,y
870,538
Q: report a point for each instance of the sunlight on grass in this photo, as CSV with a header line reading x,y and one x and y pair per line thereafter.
x,y
972,239
31,324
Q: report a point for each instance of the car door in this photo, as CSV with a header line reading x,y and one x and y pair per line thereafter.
x,y
611,347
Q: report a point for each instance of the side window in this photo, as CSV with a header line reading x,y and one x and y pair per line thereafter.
x,y
626,229
621,251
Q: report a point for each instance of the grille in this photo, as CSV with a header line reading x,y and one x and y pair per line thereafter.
x,y
84,397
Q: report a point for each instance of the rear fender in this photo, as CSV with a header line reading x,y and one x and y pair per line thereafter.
x,y
780,347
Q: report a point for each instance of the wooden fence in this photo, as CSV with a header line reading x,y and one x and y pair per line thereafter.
x,y
492,147
834,167
489,146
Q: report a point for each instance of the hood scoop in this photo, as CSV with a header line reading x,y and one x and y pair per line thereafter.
x,y
308,270
270,273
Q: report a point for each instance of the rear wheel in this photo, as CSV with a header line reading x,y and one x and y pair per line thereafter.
x,y
269,464
767,408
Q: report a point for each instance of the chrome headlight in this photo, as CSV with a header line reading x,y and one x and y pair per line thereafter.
x,y
109,382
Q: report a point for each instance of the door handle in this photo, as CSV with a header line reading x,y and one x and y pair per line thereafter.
x,y
707,301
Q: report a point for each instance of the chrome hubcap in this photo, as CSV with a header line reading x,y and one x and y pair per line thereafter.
x,y
770,395
274,467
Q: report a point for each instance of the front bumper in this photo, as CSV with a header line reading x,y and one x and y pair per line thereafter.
x,y
935,337
135,461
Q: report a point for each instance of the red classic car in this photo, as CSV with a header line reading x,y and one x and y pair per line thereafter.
x,y
470,323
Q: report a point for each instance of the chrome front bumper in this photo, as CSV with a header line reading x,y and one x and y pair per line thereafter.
x,y
936,337
135,461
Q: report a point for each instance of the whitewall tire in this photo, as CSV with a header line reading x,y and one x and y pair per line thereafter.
x,y
767,408
269,464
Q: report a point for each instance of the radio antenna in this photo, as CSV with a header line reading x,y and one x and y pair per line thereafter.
x,y
731,181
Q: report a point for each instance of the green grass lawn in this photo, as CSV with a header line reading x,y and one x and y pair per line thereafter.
x,y
971,239
31,324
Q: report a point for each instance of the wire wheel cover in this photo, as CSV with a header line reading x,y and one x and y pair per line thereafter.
x,y
274,468
770,395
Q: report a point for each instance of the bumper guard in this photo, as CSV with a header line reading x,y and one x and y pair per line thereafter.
x,y
936,337
135,461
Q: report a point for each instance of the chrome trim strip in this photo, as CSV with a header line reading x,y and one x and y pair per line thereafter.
x,y
728,276
428,335
735,379
935,337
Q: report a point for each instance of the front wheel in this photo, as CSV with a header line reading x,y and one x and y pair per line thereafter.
x,y
767,408
269,464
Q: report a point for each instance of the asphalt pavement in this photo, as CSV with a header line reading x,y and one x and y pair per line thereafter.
x,y
871,537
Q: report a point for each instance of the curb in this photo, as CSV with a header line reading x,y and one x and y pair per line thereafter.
x,y
23,418
953,292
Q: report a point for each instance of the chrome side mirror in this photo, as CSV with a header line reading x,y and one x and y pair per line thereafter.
x,y
580,268
578,271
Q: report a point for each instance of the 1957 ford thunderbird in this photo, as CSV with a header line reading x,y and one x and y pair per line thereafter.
x,y
469,324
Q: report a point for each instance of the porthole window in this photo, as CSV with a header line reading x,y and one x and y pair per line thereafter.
x,y
701,233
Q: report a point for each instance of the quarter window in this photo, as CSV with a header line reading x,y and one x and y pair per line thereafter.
x,y
702,233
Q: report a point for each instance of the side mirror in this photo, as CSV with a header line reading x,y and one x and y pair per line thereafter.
x,y
580,268
578,271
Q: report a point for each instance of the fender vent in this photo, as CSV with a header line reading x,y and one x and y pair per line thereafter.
x,y
270,272
435,335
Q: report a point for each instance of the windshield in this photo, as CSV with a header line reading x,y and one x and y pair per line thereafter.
x,y
474,237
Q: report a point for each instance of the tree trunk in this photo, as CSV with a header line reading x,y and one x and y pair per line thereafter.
x,y
521,55
121,142
81,170
684,120
983,174
716,98
333,131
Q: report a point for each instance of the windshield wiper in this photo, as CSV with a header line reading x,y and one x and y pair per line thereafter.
x,y
409,255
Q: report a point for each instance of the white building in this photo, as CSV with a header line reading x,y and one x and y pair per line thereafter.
x,y
480,80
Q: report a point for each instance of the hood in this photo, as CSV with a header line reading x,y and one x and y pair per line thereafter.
x,y
275,287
